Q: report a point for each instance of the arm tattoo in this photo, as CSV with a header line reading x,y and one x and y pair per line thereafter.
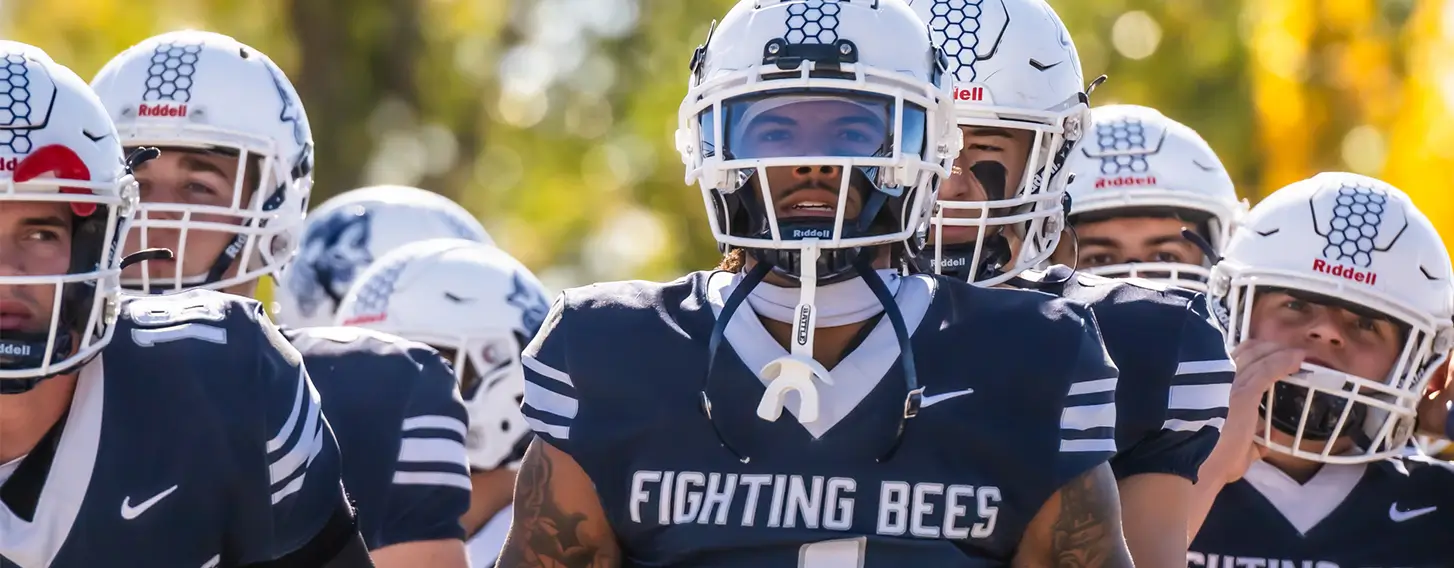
x,y
1087,533
543,535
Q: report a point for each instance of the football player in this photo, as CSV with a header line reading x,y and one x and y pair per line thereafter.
x,y
480,307
228,194
345,234
818,131
188,411
1337,296
1140,180
1020,102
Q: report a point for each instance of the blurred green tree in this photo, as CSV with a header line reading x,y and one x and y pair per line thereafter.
x,y
553,120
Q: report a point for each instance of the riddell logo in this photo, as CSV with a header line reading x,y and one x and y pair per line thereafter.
x,y
162,110
8,164
1359,276
14,350
1125,181
811,233
974,94
363,319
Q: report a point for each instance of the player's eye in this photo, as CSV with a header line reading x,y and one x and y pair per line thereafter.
x,y
43,235
1166,256
1098,259
201,189
1365,323
856,136
774,135
985,147
1295,305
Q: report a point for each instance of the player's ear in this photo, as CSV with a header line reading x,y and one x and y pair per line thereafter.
x,y
1440,383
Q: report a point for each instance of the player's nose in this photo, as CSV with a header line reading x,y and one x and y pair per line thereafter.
x,y
824,173
1324,330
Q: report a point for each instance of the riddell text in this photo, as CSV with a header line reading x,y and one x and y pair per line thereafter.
x,y
1359,276
161,110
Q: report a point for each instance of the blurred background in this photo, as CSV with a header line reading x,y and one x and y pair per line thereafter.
x,y
553,120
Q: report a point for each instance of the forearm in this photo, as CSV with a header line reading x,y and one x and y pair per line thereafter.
x,y
1153,513
1210,481
444,553
558,521
1079,527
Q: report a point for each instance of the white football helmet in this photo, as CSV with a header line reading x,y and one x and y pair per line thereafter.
x,y
467,299
206,91
1358,240
771,62
346,233
1014,67
57,145
1136,161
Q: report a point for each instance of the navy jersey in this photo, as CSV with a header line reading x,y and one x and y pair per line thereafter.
x,y
1176,374
1395,513
613,379
194,440
401,425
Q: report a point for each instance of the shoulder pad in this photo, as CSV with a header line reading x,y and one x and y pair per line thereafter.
x,y
190,306
342,334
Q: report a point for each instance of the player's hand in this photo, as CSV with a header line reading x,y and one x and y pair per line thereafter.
x,y
1260,364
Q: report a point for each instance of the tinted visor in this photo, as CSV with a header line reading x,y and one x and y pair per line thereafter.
x,y
821,123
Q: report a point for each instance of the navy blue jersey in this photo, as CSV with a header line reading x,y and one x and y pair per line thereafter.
x,y
1176,374
1395,513
194,440
614,377
401,425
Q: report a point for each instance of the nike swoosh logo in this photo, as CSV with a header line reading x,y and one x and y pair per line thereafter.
x,y
129,512
456,299
941,397
1043,67
95,138
1398,516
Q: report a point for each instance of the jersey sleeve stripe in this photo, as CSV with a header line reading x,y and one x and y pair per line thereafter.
x,y
1198,397
550,401
276,443
306,438
436,422
433,450
1093,386
552,430
546,371
1177,425
1092,445
1088,417
297,483
432,478
1210,366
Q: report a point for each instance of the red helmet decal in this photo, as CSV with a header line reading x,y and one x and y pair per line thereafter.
x,y
59,162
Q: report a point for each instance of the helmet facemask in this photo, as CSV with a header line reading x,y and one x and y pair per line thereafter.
x,y
262,219
1320,404
84,299
1016,228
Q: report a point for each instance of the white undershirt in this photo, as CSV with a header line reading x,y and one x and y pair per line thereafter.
x,y
7,469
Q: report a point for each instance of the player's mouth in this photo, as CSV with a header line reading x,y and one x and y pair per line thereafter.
x,y
803,203
15,316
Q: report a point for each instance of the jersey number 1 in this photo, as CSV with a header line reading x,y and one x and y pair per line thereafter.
x,y
840,553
